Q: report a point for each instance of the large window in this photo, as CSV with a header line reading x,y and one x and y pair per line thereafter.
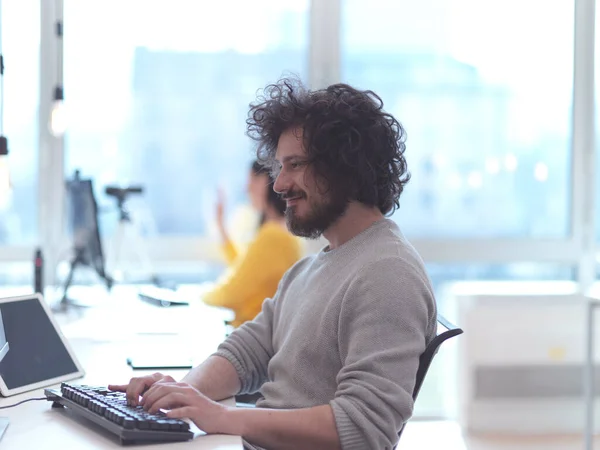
x,y
160,98
484,90
20,35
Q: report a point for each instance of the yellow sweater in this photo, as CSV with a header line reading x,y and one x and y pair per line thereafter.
x,y
254,274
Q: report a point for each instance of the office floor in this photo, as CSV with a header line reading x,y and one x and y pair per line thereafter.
x,y
447,435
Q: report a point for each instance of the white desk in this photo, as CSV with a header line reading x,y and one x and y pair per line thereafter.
x,y
102,338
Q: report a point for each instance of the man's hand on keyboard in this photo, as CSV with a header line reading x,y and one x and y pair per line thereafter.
x,y
185,401
138,385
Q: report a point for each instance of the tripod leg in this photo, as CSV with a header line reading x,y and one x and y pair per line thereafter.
x,y
74,264
142,254
136,246
118,242
99,268
107,279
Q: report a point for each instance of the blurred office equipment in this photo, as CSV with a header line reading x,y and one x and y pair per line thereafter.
x,y
521,365
84,229
39,353
162,296
127,237
589,387
38,272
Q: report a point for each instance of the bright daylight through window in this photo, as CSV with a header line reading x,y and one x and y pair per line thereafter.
x,y
161,100
21,51
486,103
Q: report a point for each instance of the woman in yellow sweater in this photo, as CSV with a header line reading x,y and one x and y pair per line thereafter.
x,y
254,274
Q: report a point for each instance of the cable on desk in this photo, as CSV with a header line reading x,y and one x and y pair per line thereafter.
x,y
23,401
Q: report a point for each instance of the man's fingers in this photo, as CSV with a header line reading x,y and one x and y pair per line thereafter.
x,y
157,391
131,390
171,400
137,386
185,412
118,387
151,392
160,390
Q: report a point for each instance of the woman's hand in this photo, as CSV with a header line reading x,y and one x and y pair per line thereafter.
x,y
220,212
220,206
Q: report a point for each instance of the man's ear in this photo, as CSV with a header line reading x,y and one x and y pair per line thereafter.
x,y
323,185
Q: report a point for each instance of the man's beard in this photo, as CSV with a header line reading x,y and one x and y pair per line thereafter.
x,y
321,215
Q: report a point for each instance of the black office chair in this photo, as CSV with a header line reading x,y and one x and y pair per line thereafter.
x,y
427,356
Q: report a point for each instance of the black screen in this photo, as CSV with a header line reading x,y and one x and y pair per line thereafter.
x,y
83,222
36,351
3,341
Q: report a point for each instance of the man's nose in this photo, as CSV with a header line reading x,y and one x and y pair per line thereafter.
x,y
281,183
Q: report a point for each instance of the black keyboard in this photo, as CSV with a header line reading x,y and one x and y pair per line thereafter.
x,y
110,410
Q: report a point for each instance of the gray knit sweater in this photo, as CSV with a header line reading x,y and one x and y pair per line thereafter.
x,y
345,328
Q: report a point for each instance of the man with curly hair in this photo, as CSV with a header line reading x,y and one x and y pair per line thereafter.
x,y
335,353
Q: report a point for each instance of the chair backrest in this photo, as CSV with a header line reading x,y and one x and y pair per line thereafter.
x,y
430,351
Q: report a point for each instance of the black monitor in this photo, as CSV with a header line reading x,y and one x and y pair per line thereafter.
x,y
82,213
82,219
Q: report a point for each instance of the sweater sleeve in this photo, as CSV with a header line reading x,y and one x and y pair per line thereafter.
x,y
230,251
387,317
250,348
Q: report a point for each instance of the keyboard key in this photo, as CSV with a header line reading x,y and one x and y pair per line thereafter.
x,y
163,424
174,425
128,423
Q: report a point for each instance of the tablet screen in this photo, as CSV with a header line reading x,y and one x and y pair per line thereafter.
x,y
3,342
37,353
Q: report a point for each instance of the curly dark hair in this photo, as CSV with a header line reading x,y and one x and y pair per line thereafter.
x,y
348,137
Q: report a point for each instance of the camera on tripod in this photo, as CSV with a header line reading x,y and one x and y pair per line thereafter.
x,y
121,193
127,233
